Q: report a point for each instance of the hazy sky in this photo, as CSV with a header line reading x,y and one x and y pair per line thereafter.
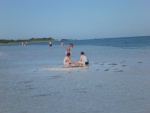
x,y
74,19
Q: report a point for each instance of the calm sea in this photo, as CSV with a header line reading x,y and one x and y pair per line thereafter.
x,y
38,55
126,42
33,80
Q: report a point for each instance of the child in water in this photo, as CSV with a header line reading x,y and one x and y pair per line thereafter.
x,y
68,48
67,61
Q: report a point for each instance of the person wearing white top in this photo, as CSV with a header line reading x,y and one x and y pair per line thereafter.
x,y
83,59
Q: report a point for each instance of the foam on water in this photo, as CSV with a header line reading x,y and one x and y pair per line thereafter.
x,y
62,69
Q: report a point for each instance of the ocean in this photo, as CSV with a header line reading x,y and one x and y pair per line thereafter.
x,y
40,54
33,80
124,42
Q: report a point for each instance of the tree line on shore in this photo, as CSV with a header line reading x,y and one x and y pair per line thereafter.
x,y
26,40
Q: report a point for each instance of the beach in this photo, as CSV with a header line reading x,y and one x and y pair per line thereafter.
x,y
33,80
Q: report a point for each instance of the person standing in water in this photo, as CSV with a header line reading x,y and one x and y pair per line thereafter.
x,y
68,48
50,44
62,44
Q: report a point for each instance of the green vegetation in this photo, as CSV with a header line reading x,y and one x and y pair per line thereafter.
x,y
27,40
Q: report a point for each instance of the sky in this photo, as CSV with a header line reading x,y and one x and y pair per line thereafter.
x,y
74,19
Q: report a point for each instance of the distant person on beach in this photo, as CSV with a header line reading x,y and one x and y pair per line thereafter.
x,y
62,44
26,43
83,59
50,44
67,61
68,48
22,43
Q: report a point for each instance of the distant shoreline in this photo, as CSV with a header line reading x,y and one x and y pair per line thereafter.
x,y
4,41
11,41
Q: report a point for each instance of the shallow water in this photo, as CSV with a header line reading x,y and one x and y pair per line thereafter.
x,y
33,80
34,57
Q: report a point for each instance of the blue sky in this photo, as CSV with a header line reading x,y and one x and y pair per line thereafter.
x,y
74,19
